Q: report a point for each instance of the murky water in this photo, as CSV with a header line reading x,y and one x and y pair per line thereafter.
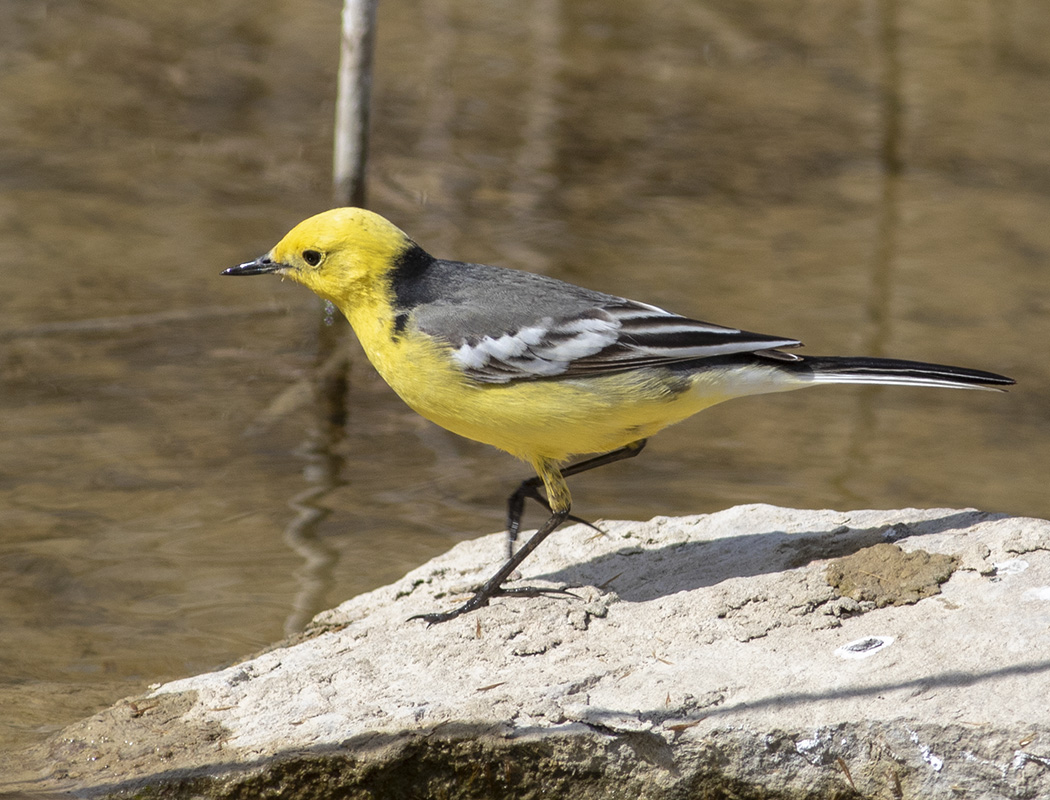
x,y
174,491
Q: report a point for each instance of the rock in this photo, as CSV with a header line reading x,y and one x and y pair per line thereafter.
x,y
702,656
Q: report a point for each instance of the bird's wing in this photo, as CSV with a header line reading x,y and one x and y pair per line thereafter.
x,y
506,325
609,338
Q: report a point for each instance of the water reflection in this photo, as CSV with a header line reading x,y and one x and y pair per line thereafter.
x,y
186,469
323,471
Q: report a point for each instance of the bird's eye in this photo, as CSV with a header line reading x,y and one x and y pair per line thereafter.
x,y
312,257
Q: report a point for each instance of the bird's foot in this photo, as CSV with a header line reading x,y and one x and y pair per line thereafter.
x,y
481,599
533,591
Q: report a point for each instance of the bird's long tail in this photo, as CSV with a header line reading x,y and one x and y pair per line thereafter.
x,y
847,369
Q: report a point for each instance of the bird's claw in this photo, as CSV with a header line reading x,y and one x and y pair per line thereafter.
x,y
533,591
481,599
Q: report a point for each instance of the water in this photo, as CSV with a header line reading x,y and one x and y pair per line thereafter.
x,y
174,491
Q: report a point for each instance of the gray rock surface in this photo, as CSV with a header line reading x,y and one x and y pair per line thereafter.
x,y
704,656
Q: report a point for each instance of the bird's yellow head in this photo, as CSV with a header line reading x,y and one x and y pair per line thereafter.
x,y
340,254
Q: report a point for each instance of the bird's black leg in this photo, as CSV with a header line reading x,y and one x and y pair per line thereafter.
x,y
493,585
530,488
558,500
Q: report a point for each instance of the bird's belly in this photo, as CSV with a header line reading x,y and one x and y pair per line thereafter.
x,y
556,419
560,417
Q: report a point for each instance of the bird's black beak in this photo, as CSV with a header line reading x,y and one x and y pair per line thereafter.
x,y
260,266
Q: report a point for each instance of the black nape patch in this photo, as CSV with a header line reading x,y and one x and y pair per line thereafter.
x,y
405,274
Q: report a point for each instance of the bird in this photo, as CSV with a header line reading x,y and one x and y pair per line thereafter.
x,y
540,368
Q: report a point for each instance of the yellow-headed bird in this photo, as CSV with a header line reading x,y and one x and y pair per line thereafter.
x,y
543,369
